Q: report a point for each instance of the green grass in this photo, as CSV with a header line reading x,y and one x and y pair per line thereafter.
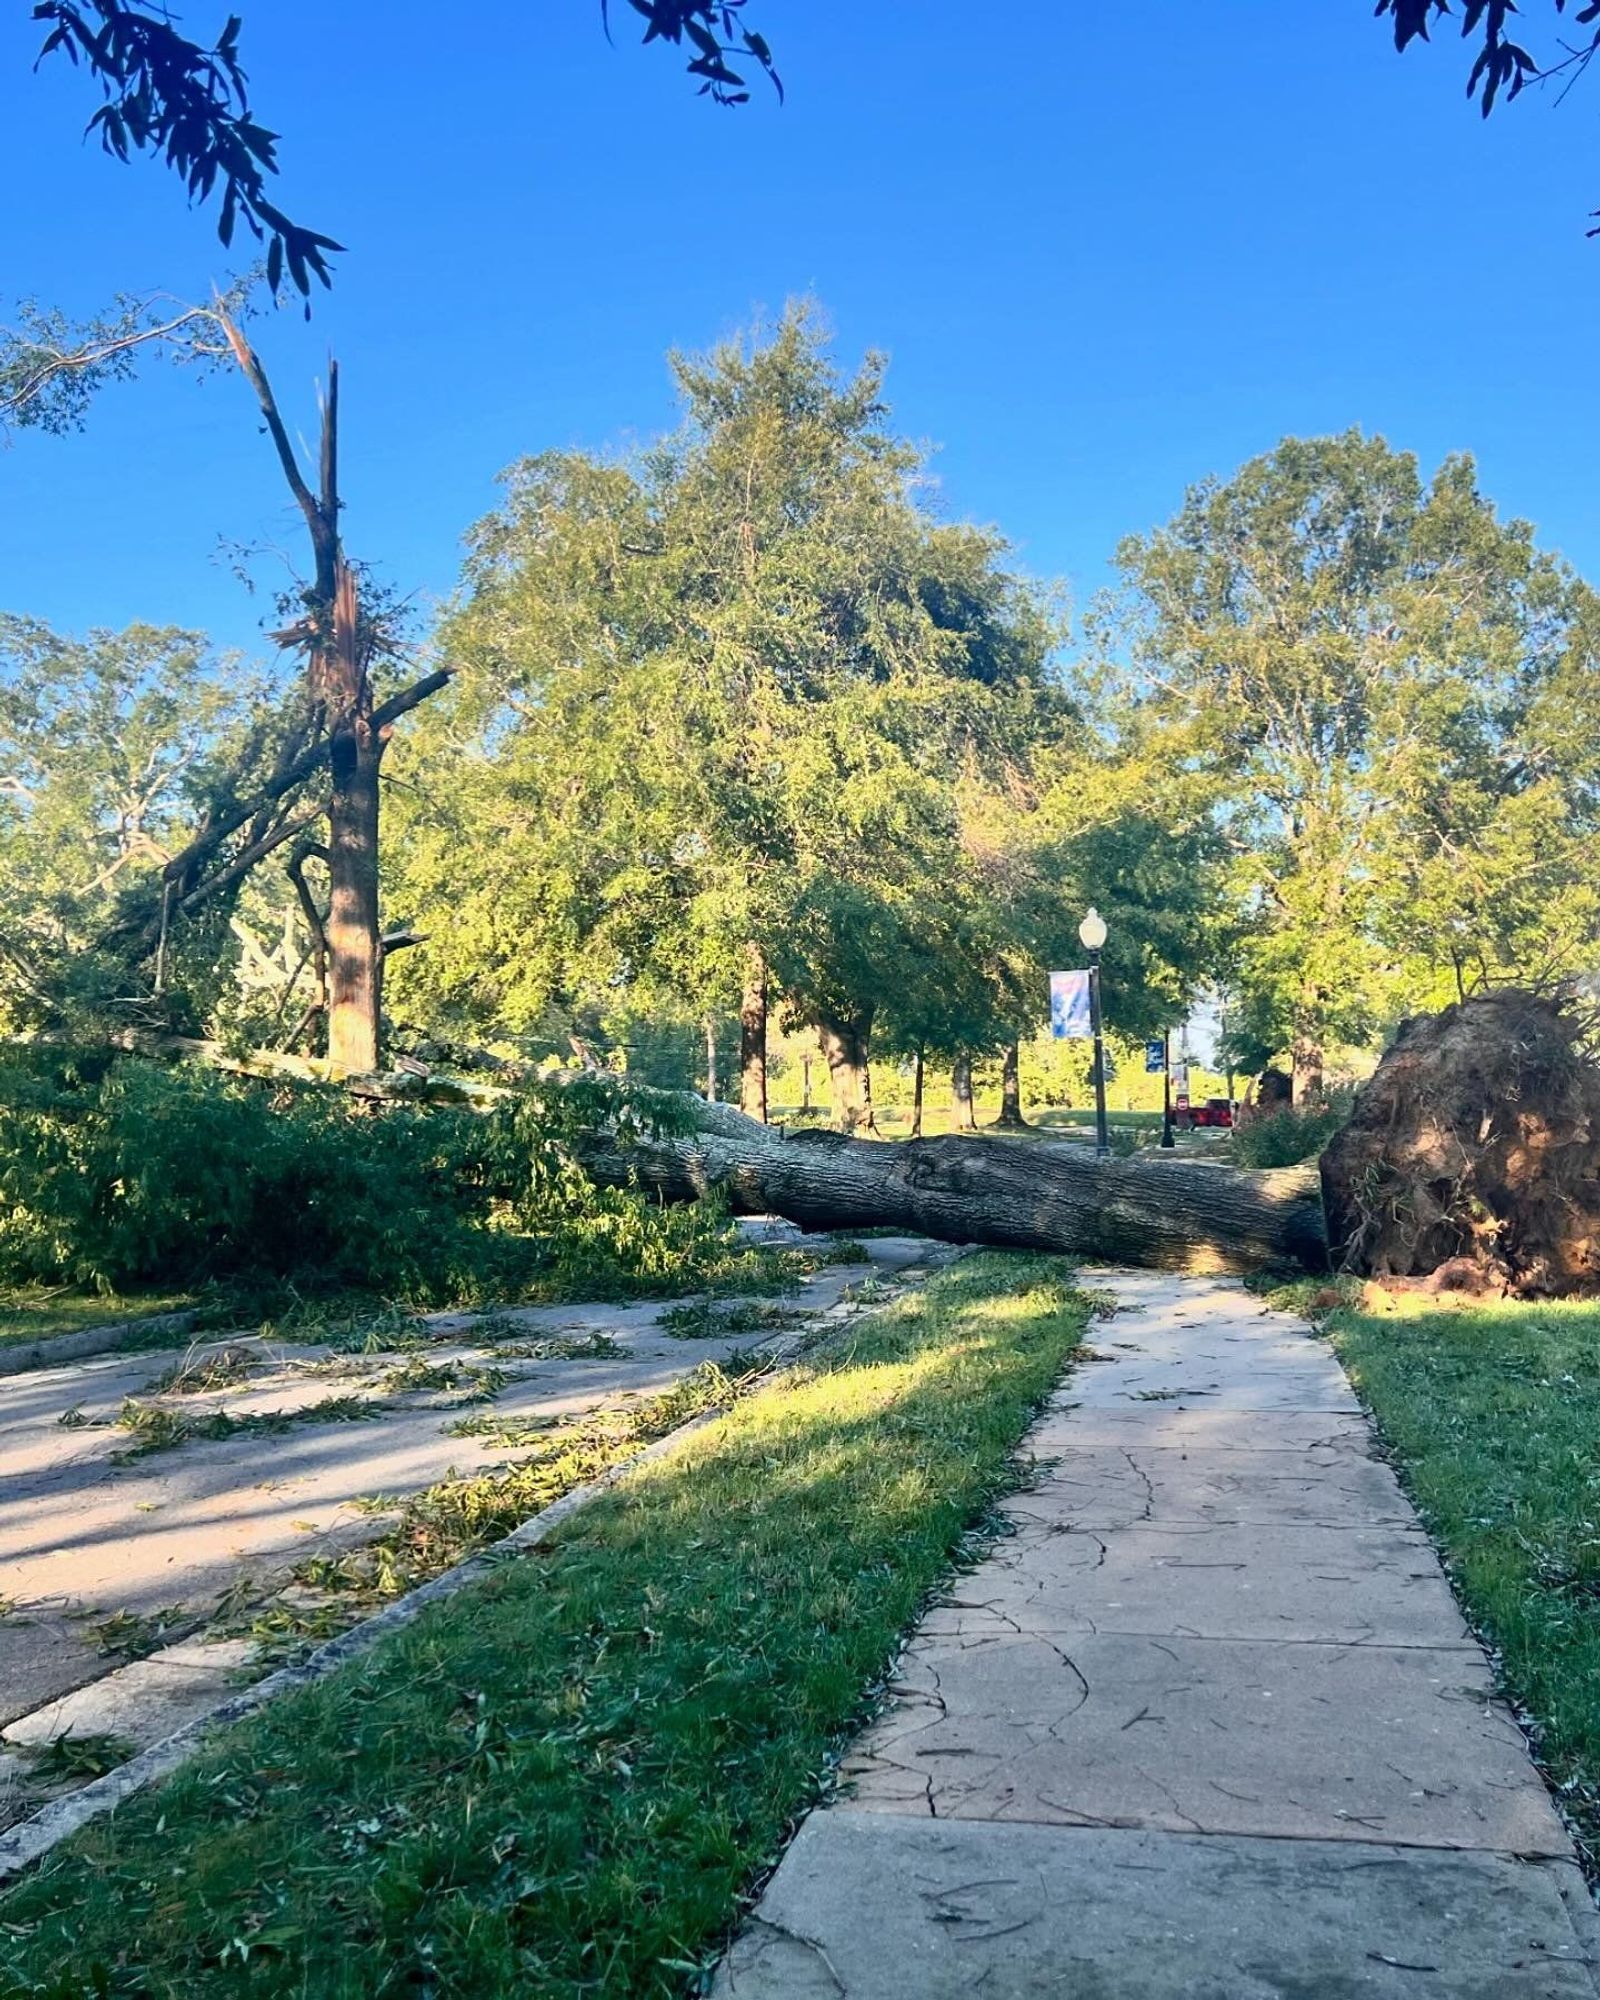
x,y
894,1120
1080,1118
1493,1412
41,1313
564,1783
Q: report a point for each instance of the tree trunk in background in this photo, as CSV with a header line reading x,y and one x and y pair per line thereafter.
x,y
805,1083
355,956
961,1094
844,1044
916,1098
1011,1118
711,1059
753,1037
1149,1209
1307,1065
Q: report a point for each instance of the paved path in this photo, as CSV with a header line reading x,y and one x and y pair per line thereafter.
x,y
1207,1724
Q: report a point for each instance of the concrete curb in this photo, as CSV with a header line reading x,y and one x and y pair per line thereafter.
x,y
31,1839
88,1341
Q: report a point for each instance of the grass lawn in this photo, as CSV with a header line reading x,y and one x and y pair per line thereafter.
x,y
564,1783
1081,1117
1494,1413
40,1314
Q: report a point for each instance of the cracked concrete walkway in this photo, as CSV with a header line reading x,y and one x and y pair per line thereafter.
x,y
1206,1726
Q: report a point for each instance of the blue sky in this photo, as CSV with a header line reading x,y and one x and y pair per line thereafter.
x,y
1109,249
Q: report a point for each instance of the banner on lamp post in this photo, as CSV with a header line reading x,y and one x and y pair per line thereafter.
x,y
1069,1006
1155,1058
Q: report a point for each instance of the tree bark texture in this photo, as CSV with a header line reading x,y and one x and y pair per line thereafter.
x,y
1146,1210
355,956
753,1037
710,1026
844,1045
1011,1117
1306,1057
961,1094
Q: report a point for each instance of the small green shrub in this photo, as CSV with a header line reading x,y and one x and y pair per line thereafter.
x,y
1284,1138
116,1171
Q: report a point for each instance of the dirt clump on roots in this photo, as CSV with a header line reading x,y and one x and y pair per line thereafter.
x,y
1472,1155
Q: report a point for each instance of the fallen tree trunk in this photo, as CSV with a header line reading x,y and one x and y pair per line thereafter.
x,y
1176,1215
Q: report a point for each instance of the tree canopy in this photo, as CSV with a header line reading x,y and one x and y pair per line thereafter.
x,y
748,696
1390,690
114,750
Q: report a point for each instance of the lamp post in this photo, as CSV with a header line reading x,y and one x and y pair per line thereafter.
x,y
1092,932
1167,1139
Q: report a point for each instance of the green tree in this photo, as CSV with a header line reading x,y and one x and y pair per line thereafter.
x,y
114,749
724,710
1389,689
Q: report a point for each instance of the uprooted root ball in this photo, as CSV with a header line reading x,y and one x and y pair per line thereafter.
x,y
1475,1145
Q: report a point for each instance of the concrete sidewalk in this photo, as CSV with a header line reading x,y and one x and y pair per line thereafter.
x,y
84,1537
1207,1724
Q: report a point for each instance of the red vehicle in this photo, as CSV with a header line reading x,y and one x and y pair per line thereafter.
x,y
1215,1111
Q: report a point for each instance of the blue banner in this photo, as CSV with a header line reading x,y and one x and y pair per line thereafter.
x,y
1155,1058
1069,1006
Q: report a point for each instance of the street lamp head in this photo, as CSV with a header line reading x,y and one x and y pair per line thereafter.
x,y
1092,930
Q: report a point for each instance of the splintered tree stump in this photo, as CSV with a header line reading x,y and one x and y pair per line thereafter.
x,y
1171,1214
1474,1151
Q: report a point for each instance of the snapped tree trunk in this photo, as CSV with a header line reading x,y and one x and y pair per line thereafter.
x,y
753,1037
1011,1118
916,1098
338,643
1148,1209
961,1094
844,1045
